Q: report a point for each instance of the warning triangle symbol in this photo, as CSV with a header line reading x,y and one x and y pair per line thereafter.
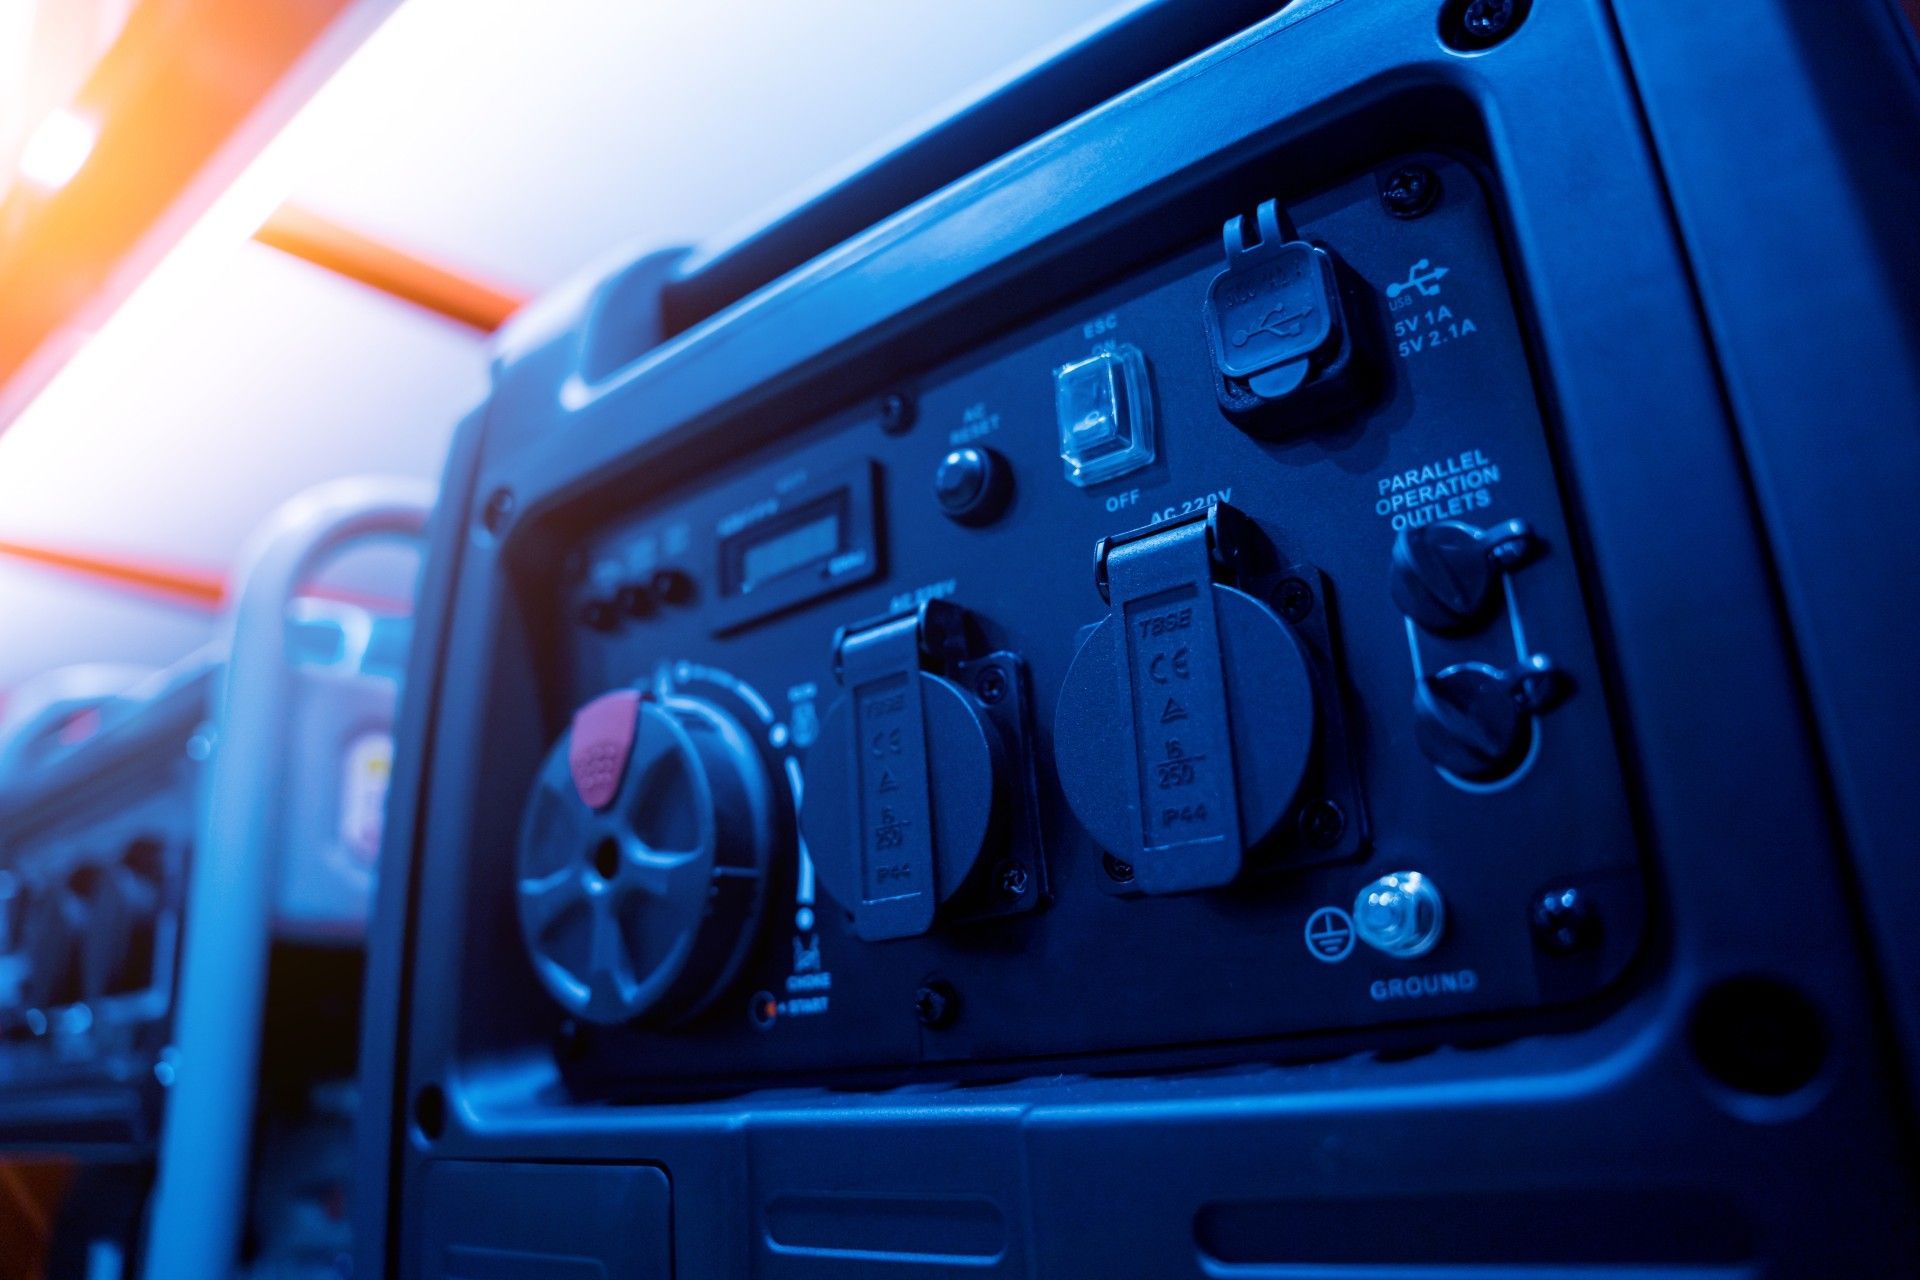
x,y
886,781
1174,711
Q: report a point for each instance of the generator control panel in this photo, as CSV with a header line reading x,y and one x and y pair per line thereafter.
x,y
1219,629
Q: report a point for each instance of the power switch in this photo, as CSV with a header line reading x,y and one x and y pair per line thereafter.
x,y
1105,414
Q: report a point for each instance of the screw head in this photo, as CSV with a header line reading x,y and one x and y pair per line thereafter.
x,y
1322,823
1474,25
1295,598
1013,879
934,1004
497,511
1488,19
897,413
1565,921
1410,190
1118,870
991,685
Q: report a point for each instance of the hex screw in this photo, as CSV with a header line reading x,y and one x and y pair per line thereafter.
x,y
1296,600
1013,879
1565,921
1410,190
497,511
897,413
991,685
1322,823
934,1004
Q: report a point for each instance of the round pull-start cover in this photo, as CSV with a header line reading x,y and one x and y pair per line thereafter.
x,y
642,857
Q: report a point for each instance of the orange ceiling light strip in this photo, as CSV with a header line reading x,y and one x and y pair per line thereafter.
x,y
314,238
188,91
172,583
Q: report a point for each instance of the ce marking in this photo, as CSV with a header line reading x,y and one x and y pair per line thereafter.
x,y
1178,663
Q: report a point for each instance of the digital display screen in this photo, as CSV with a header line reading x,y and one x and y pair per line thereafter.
x,y
796,546
813,536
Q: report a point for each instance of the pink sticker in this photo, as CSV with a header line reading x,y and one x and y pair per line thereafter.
x,y
597,751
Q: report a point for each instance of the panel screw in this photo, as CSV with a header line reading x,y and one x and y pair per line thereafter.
x,y
896,413
991,685
934,1004
1473,25
498,510
1410,190
1565,921
1013,879
1119,871
1296,600
1322,823
1488,19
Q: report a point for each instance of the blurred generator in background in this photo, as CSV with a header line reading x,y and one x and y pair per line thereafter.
x,y
1287,665
187,866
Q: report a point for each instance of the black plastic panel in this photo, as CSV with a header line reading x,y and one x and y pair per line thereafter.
x,y
545,1222
1453,433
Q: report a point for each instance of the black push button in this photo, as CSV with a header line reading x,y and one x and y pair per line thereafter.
x,y
972,484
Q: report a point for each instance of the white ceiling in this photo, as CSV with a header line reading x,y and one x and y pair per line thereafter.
x,y
519,142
